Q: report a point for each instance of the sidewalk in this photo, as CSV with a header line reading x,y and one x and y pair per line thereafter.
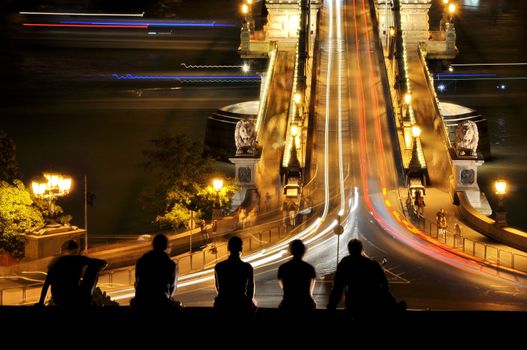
x,y
471,242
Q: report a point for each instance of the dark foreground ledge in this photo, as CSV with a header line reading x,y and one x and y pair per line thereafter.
x,y
120,327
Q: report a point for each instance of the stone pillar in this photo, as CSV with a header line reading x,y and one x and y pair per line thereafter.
x,y
415,22
450,37
245,170
245,38
49,244
466,179
385,19
283,21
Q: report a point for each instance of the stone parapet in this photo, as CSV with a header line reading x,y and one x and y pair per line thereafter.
x,y
507,235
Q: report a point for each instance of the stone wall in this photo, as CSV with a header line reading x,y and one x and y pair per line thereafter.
x,y
507,235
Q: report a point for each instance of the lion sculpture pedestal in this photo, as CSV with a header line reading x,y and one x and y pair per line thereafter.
x,y
247,156
466,163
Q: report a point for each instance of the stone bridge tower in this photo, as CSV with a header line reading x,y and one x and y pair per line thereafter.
x,y
414,19
283,21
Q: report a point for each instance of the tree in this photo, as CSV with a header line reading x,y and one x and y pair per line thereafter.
x,y
9,170
183,181
18,215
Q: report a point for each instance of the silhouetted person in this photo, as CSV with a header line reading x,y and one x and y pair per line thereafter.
x,y
297,279
366,286
156,278
72,278
235,284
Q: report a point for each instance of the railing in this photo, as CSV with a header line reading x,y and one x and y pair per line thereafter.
x,y
187,263
431,87
494,256
262,109
20,293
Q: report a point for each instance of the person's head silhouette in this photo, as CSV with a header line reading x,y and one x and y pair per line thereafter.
x,y
355,247
235,245
69,247
297,249
160,242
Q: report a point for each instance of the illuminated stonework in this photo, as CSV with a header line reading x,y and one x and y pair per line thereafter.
x,y
283,21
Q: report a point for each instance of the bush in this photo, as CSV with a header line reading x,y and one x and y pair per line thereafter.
x,y
13,244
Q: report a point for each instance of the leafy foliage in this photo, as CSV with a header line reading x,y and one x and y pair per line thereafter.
x,y
9,170
18,214
13,244
184,177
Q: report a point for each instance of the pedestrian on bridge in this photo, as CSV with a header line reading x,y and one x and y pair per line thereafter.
x,y
441,222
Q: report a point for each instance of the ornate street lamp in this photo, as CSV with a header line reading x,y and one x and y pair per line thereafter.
x,y
451,11
52,186
501,191
217,184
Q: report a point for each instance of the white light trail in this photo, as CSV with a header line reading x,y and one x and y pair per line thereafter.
x,y
328,93
339,107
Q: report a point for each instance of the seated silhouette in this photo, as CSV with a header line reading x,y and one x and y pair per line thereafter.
x,y
156,279
72,278
234,284
366,286
297,279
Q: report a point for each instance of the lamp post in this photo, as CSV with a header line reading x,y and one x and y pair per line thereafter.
x,y
414,166
55,185
217,184
451,11
405,111
501,191
245,11
250,20
444,17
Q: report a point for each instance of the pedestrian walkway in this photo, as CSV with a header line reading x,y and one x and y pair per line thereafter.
x,y
471,242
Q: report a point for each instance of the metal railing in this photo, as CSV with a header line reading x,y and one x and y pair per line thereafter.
x,y
187,263
490,254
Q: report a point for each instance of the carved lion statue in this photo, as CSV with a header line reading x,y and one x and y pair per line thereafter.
x,y
245,137
467,138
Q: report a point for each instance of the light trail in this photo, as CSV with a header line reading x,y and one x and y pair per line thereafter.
x,y
406,232
186,77
326,125
149,24
136,26
81,14
488,64
339,106
309,235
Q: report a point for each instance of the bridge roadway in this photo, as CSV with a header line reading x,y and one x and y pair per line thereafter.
x,y
351,149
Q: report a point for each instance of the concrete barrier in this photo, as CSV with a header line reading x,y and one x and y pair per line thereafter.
x,y
485,225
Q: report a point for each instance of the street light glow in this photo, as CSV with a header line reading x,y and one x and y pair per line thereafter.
x,y
416,131
407,98
297,98
501,187
294,130
217,184
445,2
245,68
452,8
245,9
